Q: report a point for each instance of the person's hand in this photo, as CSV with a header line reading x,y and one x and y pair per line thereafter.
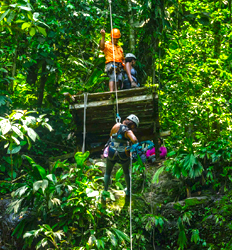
x,y
102,32
134,84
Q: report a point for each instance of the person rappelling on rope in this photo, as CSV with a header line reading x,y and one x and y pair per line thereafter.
x,y
118,151
114,57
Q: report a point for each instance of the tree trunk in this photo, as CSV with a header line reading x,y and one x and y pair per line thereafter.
x,y
43,80
32,74
131,28
15,55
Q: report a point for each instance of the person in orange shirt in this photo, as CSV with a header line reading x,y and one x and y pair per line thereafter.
x,y
107,48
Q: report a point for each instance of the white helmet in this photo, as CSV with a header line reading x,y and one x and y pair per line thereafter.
x,y
134,119
130,55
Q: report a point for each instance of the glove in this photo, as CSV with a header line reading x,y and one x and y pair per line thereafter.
x,y
134,147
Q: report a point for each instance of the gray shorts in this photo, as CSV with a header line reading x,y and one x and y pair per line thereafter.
x,y
111,73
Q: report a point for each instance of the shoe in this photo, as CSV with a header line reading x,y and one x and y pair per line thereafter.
x,y
127,192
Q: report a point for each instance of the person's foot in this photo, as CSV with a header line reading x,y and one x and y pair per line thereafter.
x,y
127,192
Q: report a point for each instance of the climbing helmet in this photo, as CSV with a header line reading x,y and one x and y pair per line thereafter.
x,y
134,119
115,33
130,55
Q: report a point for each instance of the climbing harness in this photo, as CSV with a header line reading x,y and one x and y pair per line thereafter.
x,y
84,121
118,118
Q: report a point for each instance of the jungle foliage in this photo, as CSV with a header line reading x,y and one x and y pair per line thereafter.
x,y
48,48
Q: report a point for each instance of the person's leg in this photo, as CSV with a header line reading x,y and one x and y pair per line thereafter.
x,y
125,166
109,167
111,86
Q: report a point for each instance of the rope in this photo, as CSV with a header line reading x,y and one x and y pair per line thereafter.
x,y
118,118
84,121
131,237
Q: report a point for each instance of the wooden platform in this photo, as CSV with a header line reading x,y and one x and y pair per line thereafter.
x,y
101,113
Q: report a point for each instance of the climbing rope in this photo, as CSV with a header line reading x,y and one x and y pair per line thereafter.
x,y
131,239
118,118
84,121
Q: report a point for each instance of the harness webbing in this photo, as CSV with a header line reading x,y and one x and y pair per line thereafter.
x,y
118,119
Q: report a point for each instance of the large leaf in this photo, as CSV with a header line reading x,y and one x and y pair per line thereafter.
x,y
112,237
14,150
42,31
43,184
5,126
80,157
121,235
155,178
17,131
21,191
25,25
91,193
41,170
52,178
4,14
32,134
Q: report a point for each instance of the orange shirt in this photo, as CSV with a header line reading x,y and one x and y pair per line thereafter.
x,y
108,51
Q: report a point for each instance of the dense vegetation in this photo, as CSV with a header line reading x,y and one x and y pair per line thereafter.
x,y
51,47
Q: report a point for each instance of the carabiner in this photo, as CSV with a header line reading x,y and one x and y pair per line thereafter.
x,y
118,119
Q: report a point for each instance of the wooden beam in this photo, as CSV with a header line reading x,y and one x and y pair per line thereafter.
x,y
126,100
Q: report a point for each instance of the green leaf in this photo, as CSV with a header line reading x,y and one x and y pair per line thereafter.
x,y
25,25
155,178
15,150
52,178
31,161
4,14
5,126
195,236
92,240
15,140
41,170
44,185
112,237
37,185
118,174
182,240
121,235
91,216
25,8
80,157
46,125
17,131
29,234
91,193
32,134
21,191
32,32
42,31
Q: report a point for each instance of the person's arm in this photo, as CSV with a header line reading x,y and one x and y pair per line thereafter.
x,y
115,129
102,42
128,71
130,135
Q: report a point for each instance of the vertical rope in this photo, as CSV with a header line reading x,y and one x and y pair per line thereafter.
x,y
115,84
84,121
131,239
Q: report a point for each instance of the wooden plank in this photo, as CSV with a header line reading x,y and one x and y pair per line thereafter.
x,y
106,95
109,102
